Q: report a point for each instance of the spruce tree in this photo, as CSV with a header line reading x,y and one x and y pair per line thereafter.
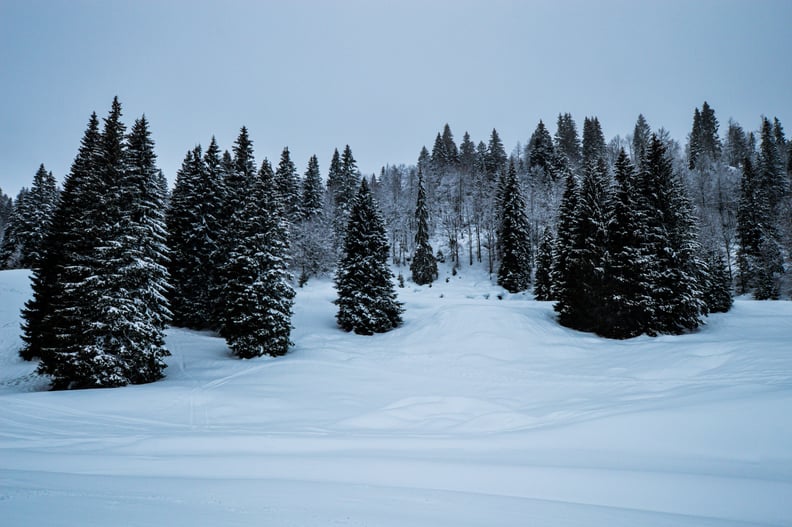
x,y
627,307
514,236
672,245
642,135
143,281
541,152
561,279
749,211
543,286
593,142
366,295
258,296
717,289
193,235
567,141
580,301
312,192
287,186
424,264
496,158
13,245
52,315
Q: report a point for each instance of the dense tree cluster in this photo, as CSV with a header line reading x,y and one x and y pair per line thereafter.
x,y
632,236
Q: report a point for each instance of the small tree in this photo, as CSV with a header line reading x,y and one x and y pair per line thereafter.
x,y
544,266
366,295
424,264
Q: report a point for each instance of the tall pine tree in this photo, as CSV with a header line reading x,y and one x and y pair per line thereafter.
x,y
366,295
514,236
424,264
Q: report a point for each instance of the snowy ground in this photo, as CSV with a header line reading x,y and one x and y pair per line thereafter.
x,y
479,411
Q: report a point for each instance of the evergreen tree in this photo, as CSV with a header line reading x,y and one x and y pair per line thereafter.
x,y
450,147
580,301
312,191
567,234
672,245
694,142
12,249
593,141
467,155
514,237
496,158
642,135
424,265
258,296
544,265
108,311
541,152
34,219
139,336
735,149
193,234
717,290
287,186
627,307
749,211
567,141
366,296
51,318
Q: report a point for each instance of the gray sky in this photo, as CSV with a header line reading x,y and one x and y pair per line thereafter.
x,y
383,77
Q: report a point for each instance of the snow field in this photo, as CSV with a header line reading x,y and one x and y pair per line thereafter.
x,y
477,411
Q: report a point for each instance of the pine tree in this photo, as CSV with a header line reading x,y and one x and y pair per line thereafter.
x,y
105,321
717,290
627,307
593,142
735,149
366,296
139,337
287,186
258,296
467,155
312,191
541,152
543,289
749,210
13,247
561,279
514,236
451,150
580,301
193,234
567,141
424,264
496,158
52,316
642,135
694,143
672,245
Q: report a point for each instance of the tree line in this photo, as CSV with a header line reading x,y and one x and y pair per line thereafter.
x,y
633,236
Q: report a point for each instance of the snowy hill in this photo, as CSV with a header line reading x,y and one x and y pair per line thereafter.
x,y
479,410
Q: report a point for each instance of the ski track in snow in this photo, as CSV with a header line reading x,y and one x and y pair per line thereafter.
x,y
479,410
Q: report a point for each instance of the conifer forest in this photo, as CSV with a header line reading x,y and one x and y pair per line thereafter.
x,y
633,235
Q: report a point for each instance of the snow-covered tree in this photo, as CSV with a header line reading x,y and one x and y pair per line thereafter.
x,y
257,295
366,295
424,264
514,235
543,286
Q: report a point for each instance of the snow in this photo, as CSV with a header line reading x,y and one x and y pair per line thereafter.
x,y
478,411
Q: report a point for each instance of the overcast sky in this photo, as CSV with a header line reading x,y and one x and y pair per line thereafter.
x,y
383,77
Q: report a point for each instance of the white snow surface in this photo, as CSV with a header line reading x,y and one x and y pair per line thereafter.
x,y
478,411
